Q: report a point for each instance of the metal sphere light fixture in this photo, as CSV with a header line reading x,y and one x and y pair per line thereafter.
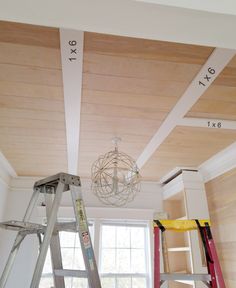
x,y
115,177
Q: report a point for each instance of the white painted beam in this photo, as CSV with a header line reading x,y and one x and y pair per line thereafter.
x,y
72,67
208,73
208,123
127,18
219,164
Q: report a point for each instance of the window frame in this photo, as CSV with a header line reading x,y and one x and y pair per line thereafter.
x,y
128,223
96,237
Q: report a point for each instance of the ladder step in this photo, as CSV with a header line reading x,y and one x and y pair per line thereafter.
x,y
67,226
71,273
31,228
184,277
20,226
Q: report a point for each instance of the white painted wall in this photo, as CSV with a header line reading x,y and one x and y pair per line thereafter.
x,y
147,202
17,201
226,6
3,199
5,178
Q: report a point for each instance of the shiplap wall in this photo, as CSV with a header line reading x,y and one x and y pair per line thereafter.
x,y
221,195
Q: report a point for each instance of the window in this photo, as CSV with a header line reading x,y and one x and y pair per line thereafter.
x,y
124,256
72,258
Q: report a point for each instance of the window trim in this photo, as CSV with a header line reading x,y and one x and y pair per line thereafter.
x,y
129,223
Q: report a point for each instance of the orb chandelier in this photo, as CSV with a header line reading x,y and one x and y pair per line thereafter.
x,y
115,177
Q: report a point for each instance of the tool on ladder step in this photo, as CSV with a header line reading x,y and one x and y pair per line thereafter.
x,y
53,188
214,278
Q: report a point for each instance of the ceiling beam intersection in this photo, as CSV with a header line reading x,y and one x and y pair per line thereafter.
x,y
208,73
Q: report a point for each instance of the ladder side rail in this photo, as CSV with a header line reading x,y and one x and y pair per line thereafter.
x,y
19,238
157,279
208,256
165,253
47,237
85,239
55,247
212,250
210,262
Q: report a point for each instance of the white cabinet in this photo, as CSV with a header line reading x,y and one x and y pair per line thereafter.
x,y
185,198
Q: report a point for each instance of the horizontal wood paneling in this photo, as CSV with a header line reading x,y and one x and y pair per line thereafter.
x,y
142,103
145,49
31,103
222,207
17,54
121,66
228,76
29,74
32,120
129,87
110,83
31,90
186,146
31,35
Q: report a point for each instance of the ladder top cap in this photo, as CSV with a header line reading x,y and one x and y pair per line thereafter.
x,y
64,178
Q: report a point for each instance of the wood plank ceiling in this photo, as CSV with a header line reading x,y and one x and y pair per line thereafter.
x,y
129,87
32,121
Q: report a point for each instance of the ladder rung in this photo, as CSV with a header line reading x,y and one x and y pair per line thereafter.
x,y
66,226
70,273
184,277
26,227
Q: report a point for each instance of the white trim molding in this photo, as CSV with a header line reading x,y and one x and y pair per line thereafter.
x,y
104,213
6,171
219,164
217,124
72,44
5,164
205,77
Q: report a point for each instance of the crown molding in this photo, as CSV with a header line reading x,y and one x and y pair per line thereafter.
x,y
5,164
6,170
219,164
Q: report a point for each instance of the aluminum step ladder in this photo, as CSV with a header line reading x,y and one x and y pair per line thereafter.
x,y
48,235
214,278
